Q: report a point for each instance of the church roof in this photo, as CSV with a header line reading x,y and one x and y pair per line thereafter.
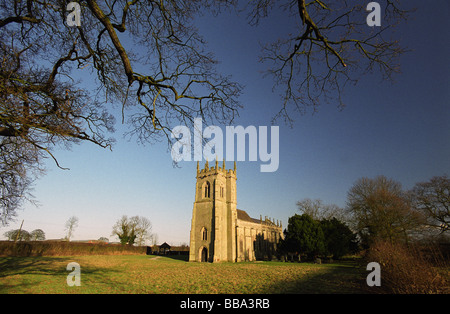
x,y
242,215
164,246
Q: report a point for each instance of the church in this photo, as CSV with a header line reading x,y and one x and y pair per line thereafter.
x,y
219,231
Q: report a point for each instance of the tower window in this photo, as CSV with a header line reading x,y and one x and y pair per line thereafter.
x,y
204,234
207,189
221,191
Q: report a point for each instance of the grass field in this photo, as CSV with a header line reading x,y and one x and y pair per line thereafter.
x,y
150,274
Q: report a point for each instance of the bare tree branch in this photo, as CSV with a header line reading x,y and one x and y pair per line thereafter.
x,y
163,79
333,47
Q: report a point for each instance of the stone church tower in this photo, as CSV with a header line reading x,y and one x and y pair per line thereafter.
x,y
220,231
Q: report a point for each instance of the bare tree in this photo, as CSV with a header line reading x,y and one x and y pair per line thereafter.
x,y
103,239
133,230
147,59
331,47
433,199
380,209
71,225
318,210
154,239
19,166
18,235
146,56
143,231
37,235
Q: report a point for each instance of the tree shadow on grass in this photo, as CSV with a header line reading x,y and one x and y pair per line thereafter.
x,y
19,273
323,279
183,258
11,266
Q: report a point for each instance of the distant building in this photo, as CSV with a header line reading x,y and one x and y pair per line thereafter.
x,y
164,248
220,231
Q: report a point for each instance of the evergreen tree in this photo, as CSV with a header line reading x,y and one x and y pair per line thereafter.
x,y
303,236
339,239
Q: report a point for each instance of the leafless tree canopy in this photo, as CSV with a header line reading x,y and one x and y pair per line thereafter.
x,y
381,210
332,47
71,225
145,56
133,230
318,210
433,199
146,61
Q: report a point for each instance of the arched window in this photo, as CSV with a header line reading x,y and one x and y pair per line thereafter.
x,y
204,234
207,189
221,191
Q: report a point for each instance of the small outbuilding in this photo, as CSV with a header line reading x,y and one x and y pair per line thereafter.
x,y
164,248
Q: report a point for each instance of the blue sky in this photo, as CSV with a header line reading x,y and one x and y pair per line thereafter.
x,y
399,130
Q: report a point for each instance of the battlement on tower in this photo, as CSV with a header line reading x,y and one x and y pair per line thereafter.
x,y
207,170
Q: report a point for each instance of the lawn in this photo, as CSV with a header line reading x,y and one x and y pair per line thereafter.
x,y
149,274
